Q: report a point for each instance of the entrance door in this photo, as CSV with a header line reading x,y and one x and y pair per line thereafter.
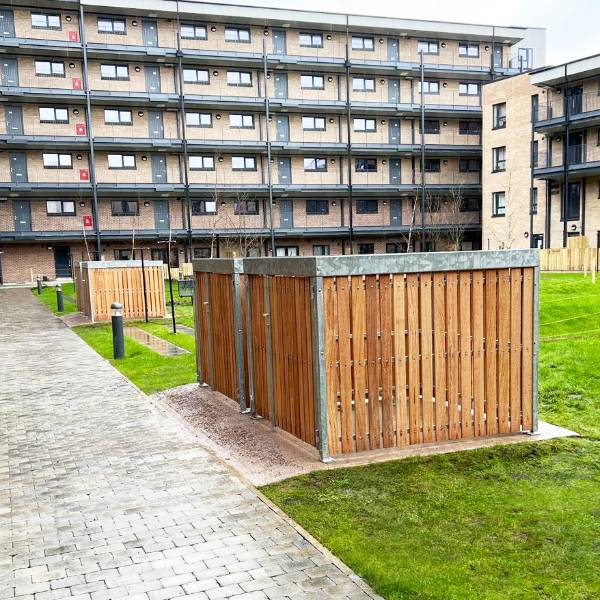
x,y
497,57
576,149
152,79
155,124
283,128
394,91
7,23
10,72
62,261
159,168
394,133
396,211
285,170
537,240
149,32
161,215
575,100
14,120
18,167
393,49
286,214
281,85
279,43
22,211
395,171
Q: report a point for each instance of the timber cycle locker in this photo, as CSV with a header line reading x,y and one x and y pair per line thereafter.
x,y
357,353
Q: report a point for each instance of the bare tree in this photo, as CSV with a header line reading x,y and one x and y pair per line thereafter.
x,y
446,223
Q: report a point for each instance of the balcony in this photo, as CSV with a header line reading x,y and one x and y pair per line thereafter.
x,y
583,110
582,160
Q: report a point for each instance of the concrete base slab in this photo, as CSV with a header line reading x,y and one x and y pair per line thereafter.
x,y
263,455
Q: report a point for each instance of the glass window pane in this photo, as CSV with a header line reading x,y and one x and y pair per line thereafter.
x,y
53,207
50,160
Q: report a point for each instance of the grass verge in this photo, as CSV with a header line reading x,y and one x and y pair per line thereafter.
x,y
48,297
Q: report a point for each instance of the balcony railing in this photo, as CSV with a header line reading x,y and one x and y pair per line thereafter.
x,y
578,155
577,105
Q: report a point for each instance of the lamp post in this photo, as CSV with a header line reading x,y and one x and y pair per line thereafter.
x,y
117,331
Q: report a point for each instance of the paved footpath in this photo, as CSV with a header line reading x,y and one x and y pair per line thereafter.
x,y
103,496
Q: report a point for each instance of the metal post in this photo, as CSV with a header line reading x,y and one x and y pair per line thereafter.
x,y
239,342
270,378
565,194
319,372
39,286
60,303
211,356
144,287
249,349
268,140
423,190
171,295
117,331
349,144
536,320
197,326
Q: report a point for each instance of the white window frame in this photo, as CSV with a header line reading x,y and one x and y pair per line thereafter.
x,y
244,163
53,65
116,72
315,39
62,161
204,119
241,121
61,205
309,81
429,84
428,46
364,124
311,121
201,162
468,88
363,43
365,86
237,35
45,21
55,118
199,32
237,78
121,162
123,116
112,26
200,76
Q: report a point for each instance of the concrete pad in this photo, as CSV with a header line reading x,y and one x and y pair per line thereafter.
x,y
263,455
153,342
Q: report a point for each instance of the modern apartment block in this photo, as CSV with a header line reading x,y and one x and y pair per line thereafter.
x,y
531,122
235,130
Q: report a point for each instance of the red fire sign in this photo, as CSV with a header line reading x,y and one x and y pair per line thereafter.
x,y
77,85
84,175
80,129
87,221
73,36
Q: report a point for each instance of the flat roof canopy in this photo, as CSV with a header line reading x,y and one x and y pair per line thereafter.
x,y
574,70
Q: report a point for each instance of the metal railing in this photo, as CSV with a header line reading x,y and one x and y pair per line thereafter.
x,y
577,105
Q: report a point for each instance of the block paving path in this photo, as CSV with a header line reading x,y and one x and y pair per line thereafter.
x,y
103,496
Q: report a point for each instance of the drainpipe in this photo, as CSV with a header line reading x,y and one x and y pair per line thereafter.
x,y
268,140
186,179
423,186
566,157
90,136
349,144
531,180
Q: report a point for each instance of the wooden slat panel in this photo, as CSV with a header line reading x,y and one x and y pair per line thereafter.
x,y
331,360
426,321
515,349
452,372
439,320
400,360
414,367
466,371
477,319
345,367
527,332
503,364
490,379
359,356
372,293
387,369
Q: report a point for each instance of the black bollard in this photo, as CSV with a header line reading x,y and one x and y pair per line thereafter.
x,y
60,303
39,286
117,331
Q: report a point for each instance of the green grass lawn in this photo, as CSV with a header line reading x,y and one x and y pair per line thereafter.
x,y
510,522
48,297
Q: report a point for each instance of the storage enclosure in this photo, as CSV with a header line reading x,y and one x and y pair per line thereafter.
x,y
100,283
356,353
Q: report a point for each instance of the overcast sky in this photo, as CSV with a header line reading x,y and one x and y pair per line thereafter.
x,y
571,25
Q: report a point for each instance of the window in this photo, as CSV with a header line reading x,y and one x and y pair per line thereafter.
x,y
310,40
52,160
121,161
534,201
63,208
366,207
196,119
108,25
317,207
237,34
203,252
470,204
246,207
432,165
535,107
363,84
498,204
534,153
525,58
117,117
395,248
199,76
366,248
241,121
124,208
366,165
312,82
49,68
499,115
321,250
189,31
428,47
499,158
360,42
45,21
315,164
366,125
123,254
239,78
202,163
468,89
573,202
469,49
469,128
51,114
120,72
204,207
243,163
286,250
313,123
429,87
469,165
432,126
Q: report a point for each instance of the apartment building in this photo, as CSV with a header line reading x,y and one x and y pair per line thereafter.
x,y
532,196
220,130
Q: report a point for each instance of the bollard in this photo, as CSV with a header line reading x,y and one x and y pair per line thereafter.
x,y
39,286
60,303
117,331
